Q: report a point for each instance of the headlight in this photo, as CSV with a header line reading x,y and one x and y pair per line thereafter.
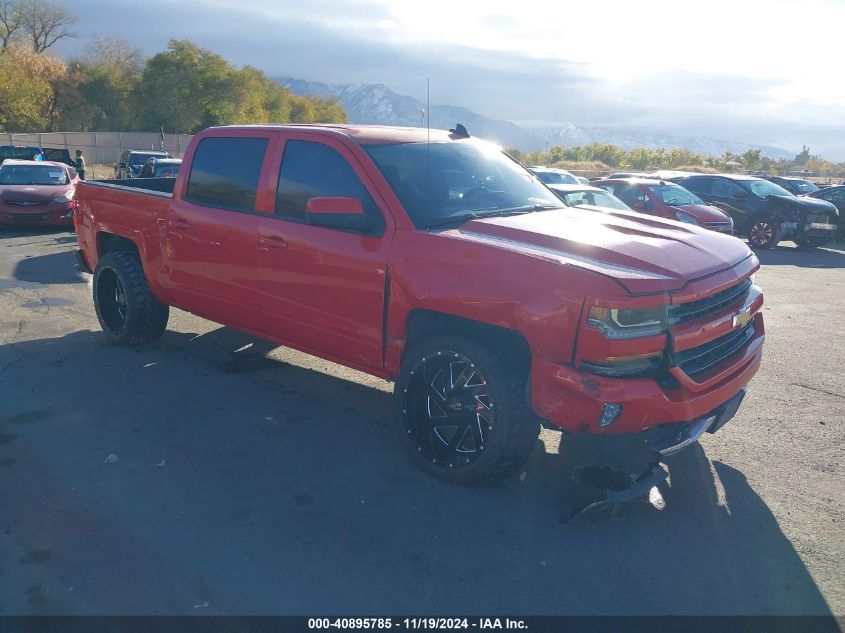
x,y
66,197
685,217
616,323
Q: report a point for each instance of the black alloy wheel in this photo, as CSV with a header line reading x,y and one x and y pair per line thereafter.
x,y
449,409
461,410
111,296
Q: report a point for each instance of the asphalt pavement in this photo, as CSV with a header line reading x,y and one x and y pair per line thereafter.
x,y
213,473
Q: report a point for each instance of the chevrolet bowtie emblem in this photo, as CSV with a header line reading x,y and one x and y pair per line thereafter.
x,y
742,317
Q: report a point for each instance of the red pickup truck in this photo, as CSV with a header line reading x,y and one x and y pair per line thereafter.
x,y
435,260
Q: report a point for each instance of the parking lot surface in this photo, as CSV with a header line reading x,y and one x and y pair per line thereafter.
x,y
213,473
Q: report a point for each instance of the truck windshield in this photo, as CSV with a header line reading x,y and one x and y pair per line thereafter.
x,y
32,175
438,181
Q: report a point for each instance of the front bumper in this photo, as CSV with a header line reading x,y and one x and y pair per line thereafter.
x,y
62,216
572,400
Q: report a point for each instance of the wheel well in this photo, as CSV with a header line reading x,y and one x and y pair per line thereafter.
x,y
108,242
510,345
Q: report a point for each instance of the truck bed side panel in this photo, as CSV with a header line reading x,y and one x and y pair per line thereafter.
x,y
129,212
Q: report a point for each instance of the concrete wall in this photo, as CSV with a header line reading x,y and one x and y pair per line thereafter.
x,y
100,147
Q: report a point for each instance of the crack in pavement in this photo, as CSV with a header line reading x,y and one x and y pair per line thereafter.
x,y
830,393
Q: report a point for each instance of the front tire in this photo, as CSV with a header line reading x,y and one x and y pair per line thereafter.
x,y
461,412
763,232
128,312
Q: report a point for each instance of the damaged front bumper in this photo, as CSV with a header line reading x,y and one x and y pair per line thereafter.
x,y
613,469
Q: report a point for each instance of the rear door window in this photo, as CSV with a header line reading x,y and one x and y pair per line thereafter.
x,y
225,172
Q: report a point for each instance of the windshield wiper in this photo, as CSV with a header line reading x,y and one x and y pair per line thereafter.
x,y
466,217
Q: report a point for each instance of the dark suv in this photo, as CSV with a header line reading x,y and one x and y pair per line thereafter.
x,y
798,186
765,212
131,161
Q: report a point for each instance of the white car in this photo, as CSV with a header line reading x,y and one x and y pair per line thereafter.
x,y
553,176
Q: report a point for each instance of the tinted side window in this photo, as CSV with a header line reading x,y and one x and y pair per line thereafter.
x,y
314,170
697,185
725,188
225,172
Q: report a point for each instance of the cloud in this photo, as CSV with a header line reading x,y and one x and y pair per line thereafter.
x,y
500,63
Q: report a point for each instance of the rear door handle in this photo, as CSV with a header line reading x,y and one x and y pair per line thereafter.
x,y
274,241
179,225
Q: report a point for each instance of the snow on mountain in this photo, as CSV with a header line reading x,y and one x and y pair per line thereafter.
x,y
377,104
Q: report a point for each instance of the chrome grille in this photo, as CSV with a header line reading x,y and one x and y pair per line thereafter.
x,y
699,359
683,312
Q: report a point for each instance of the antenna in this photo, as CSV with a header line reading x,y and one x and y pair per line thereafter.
x,y
428,135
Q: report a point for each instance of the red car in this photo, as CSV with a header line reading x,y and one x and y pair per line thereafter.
x,y
36,193
667,200
442,264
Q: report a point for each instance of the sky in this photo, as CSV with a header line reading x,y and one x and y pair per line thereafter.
x,y
767,72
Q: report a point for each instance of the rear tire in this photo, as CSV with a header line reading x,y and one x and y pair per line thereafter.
x,y
128,312
763,232
461,412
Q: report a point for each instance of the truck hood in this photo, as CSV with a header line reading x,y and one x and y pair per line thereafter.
x,y
644,254
809,205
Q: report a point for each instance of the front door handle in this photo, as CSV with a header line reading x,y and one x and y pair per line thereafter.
x,y
274,241
179,224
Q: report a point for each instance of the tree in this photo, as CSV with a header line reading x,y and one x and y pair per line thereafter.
x,y
10,22
114,51
44,23
751,159
188,88
26,88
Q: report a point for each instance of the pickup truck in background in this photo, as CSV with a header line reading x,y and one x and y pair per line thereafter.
x,y
444,266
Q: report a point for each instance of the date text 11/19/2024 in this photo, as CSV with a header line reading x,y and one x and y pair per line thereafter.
x,y
417,623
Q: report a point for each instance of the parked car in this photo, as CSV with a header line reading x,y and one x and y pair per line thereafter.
x,y
20,152
491,307
132,160
795,186
554,176
764,212
587,195
668,200
59,155
582,180
36,193
836,196
161,168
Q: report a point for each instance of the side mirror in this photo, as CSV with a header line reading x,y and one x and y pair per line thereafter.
x,y
121,165
343,214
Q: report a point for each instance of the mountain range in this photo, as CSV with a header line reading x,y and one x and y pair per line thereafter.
x,y
377,104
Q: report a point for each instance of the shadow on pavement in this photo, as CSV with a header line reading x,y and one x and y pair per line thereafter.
x,y
241,484
55,268
831,256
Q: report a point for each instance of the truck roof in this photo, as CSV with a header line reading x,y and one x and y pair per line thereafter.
x,y
362,134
